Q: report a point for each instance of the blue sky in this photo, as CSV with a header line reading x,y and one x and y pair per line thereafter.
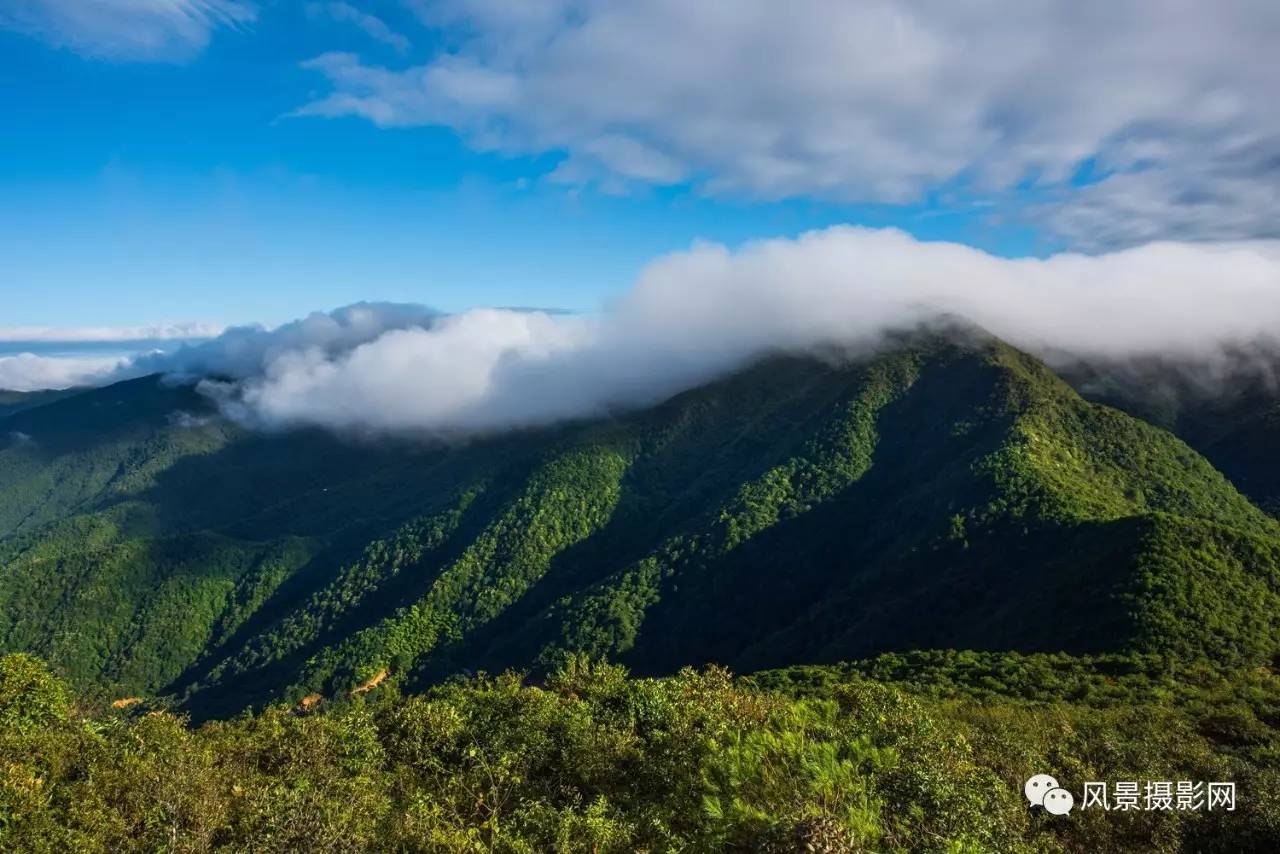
x,y
148,191
694,182
229,161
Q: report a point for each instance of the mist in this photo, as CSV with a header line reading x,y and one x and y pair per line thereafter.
x,y
698,314
32,372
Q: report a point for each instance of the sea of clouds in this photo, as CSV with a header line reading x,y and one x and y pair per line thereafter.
x,y
698,314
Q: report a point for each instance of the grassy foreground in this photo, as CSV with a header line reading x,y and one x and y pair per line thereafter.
x,y
924,752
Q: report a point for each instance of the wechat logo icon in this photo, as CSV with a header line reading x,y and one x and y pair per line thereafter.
x,y
1042,790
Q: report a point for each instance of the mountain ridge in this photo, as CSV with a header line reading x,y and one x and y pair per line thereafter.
x,y
944,494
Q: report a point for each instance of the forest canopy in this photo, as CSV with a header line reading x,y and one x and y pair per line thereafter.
x,y
594,760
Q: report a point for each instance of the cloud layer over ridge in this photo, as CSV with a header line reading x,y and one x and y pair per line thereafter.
x,y
697,314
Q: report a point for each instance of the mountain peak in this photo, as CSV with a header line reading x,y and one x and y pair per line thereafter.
x,y
950,492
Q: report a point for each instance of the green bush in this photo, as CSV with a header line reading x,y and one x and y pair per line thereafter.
x,y
931,758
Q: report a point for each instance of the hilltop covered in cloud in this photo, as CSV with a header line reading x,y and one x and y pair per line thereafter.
x,y
697,314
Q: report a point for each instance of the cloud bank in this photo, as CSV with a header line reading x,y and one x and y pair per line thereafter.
x,y
108,334
30,372
695,315
150,30
1127,121
242,352
44,357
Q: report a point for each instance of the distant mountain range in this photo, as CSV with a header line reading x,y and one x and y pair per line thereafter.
x,y
945,494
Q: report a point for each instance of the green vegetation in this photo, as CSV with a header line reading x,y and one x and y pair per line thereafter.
x,y
929,757
268,641
945,495
16,401
1229,412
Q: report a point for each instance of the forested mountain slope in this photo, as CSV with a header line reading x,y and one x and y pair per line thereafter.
x,y
16,401
942,495
1229,412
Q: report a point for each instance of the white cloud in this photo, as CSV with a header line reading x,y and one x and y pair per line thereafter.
x,y
126,29
695,315
244,351
1219,190
109,334
874,101
29,372
371,25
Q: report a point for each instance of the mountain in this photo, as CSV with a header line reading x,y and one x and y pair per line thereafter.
x,y
1229,412
16,401
945,494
